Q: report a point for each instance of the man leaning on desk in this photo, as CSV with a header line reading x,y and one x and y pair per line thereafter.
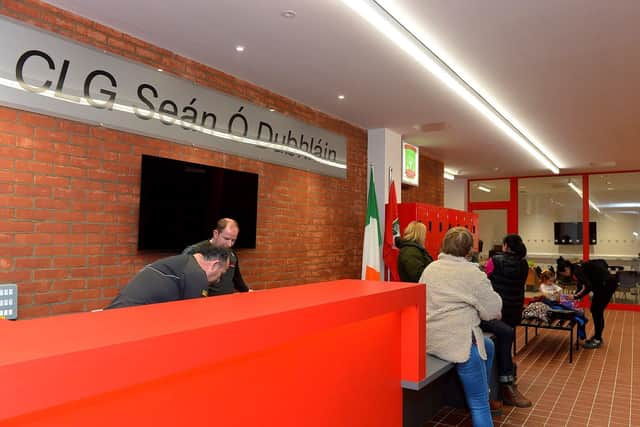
x,y
224,235
175,278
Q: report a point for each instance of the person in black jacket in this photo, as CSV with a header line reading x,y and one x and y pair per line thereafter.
x,y
591,276
174,278
413,257
508,272
224,236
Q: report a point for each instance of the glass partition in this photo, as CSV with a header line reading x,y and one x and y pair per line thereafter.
x,y
617,197
489,191
492,226
544,205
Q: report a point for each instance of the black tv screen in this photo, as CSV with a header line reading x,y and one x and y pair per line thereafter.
x,y
180,203
570,233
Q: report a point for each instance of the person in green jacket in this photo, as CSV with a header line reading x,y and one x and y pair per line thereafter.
x,y
413,258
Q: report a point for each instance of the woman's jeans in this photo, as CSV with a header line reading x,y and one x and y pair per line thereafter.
x,y
474,375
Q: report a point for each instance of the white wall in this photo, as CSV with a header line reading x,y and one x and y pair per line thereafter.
x,y
384,151
492,226
455,194
614,234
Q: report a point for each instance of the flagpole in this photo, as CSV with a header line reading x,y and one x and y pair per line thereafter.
x,y
387,271
371,259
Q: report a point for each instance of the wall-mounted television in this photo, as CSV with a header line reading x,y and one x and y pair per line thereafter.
x,y
570,233
180,203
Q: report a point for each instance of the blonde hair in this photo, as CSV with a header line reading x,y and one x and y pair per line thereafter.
x,y
415,231
457,242
547,275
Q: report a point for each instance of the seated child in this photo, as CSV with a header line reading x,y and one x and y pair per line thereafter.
x,y
548,287
555,299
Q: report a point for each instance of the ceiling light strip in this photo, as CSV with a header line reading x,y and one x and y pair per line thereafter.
x,y
450,174
620,205
388,24
579,192
451,171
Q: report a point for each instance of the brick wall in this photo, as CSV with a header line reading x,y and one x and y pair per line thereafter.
x,y
431,188
69,191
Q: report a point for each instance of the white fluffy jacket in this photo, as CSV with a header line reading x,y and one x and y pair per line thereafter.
x,y
459,295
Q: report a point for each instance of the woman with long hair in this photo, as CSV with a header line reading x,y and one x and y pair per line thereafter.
x,y
591,277
413,258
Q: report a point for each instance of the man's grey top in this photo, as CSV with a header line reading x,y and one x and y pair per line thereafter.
x,y
231,281
168,279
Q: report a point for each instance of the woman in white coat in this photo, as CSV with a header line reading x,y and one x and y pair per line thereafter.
x,y
459,295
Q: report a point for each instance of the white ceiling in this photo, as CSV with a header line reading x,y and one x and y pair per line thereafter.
x,y
569,70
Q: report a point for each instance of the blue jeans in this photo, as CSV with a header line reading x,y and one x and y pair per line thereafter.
x,y
474,375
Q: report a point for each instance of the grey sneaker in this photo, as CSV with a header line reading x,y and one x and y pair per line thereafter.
x,y
592,343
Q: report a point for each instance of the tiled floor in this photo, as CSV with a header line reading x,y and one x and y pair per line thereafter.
x,y
600,388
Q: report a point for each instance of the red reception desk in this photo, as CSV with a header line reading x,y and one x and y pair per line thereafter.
x,y
324,354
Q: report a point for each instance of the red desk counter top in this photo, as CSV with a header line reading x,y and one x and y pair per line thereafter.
x,y
146,364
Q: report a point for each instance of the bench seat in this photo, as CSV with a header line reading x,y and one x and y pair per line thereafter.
x,y
436,367
568,325
441,387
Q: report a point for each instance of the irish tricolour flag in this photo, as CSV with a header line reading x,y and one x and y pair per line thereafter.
x,y
372,237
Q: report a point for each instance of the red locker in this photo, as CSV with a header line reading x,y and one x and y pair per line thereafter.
x,y
437,220
434,240
475,231
412,212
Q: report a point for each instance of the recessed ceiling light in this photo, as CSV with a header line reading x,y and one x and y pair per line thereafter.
x,y
239,48
605,164
452,171
433,127
289,14
160,69
272,110
340,96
